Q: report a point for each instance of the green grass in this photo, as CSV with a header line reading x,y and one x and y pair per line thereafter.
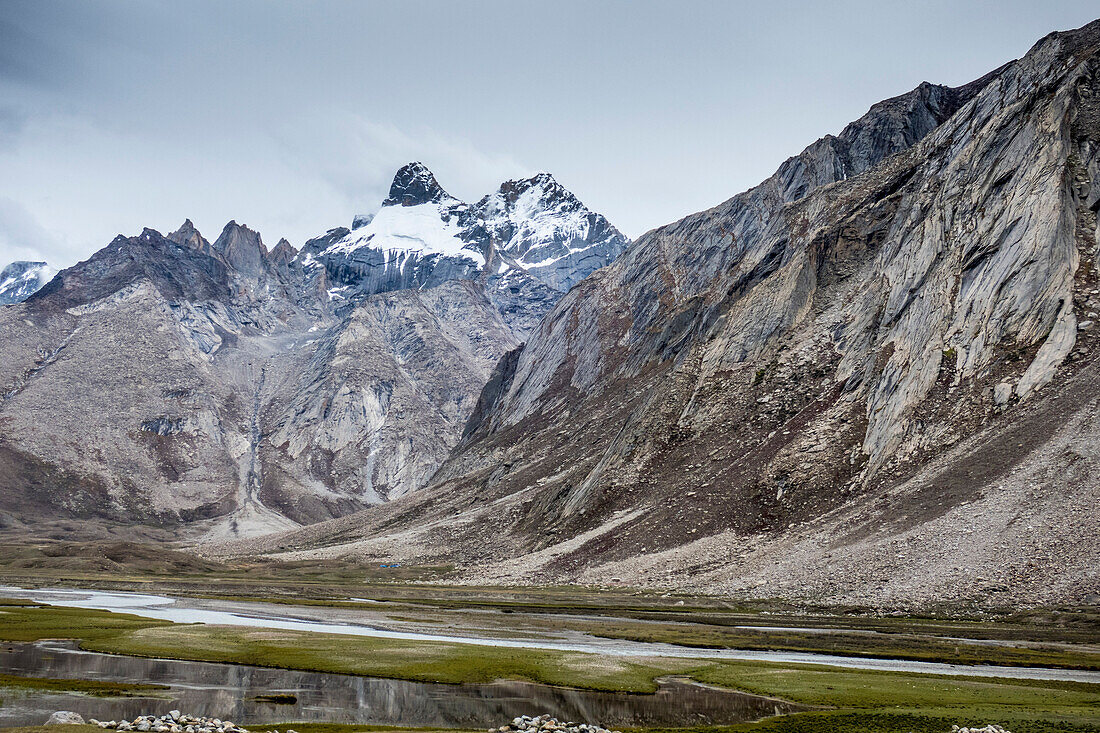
x,y
20,621
392,658
95,688
855,688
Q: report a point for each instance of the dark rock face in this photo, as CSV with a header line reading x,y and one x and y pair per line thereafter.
x,y
368,271
521,299
172,268
284,253
414,185
20,280
189,236
242,249
826,387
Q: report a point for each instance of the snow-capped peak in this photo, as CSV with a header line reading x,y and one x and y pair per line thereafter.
x,y
21,279
422,235
425,229
538,201
418,218
545,229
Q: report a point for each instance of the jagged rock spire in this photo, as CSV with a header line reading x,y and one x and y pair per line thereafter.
x,y
413,185
188,236
283,252
242,248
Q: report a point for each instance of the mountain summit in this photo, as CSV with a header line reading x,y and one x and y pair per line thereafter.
x,y
532,240
414,185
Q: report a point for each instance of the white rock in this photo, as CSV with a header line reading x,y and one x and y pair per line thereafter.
x,y
65,717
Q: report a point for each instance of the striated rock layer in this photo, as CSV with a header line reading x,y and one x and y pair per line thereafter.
x,y
871,378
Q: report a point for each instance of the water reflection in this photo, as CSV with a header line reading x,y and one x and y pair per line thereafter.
x,y
228,691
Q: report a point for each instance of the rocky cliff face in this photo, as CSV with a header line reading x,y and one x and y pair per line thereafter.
x,y
171,381
20,280
385,395
870,373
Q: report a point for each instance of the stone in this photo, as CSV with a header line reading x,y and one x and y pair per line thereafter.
x,y
65,717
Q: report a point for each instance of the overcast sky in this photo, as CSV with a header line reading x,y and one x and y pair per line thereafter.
x,y
292,116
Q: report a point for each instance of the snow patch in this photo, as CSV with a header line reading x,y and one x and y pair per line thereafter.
x,y
425,229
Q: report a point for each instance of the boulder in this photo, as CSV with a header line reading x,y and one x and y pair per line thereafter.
x,y
65,717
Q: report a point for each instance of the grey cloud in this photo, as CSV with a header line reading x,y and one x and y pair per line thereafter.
x,y
21,58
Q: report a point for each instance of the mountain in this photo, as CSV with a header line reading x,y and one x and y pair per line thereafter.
x,y
174,386
872,379
20,280
540,228
128,386
413,241
530,242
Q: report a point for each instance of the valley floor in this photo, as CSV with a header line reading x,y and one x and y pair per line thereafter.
x,y
476,629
